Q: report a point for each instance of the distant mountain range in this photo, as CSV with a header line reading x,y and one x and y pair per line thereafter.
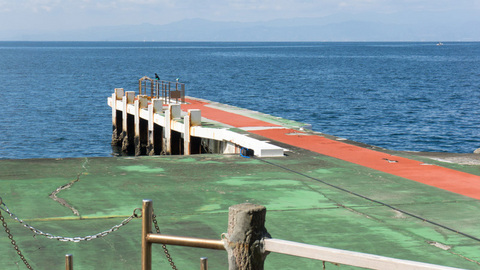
x,y
340,27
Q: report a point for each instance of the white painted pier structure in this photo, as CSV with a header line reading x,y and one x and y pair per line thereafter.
x,y
156,125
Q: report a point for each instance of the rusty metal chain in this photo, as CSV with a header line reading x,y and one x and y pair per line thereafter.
x,y
4,207
68,239
14,243
165,250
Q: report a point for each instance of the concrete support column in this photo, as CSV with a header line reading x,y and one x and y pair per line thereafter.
x,y
151,142
116,117
128,125
246,230
193,118
153,108
140,132
186,135
167,132
174,111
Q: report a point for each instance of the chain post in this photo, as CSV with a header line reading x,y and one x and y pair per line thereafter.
x,y
68,262
203,263
146,229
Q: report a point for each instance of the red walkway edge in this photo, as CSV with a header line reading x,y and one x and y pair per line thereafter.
x,y
232,119
447,179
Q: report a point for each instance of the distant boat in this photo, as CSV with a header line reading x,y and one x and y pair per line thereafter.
x,y
439,44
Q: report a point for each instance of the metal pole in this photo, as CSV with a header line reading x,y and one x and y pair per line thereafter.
x,y
183,93
146,229
151,88
140,86
168,94
203,263
68,262
185,241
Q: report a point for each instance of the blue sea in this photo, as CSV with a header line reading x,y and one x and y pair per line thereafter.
x,y
401,96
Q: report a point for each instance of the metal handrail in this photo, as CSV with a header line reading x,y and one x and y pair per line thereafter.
x,y
185,241
340,256
165,90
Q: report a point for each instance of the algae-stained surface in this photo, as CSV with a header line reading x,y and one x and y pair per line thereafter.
x,y
191,196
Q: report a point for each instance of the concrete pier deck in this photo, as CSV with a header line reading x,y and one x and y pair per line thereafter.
x,y
321,198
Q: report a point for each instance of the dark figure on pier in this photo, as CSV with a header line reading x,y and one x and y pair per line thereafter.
x,y
156,76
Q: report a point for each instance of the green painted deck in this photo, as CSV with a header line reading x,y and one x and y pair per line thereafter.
x,y
191,196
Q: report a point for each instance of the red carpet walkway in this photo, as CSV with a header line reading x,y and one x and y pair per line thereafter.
x,y
440,177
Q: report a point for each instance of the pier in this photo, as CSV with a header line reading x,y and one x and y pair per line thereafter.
x,y
163,121
156,125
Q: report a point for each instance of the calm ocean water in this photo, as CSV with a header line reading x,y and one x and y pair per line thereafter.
x,y
402,96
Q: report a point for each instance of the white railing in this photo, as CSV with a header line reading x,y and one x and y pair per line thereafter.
x,y
346,257
332,255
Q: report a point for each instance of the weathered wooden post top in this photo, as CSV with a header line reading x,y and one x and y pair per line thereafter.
x,y
244,240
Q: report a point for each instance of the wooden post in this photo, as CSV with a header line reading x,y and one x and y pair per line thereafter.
x,y
246,230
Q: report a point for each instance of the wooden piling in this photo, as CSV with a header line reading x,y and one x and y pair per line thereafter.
x,y
246,229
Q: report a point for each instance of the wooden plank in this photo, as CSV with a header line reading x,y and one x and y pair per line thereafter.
x,y
346,257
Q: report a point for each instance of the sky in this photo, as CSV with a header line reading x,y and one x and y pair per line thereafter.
x,y
59,15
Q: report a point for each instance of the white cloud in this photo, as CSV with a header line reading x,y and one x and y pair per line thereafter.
x,y
141,2
4,7
41,5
